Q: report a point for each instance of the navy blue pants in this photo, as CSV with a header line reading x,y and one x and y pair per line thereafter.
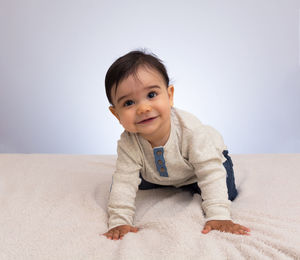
x,y
194,188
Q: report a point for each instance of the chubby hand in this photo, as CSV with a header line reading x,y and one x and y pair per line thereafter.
x,y
225,226
119,232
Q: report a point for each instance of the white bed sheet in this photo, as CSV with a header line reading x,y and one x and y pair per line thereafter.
x,y
54,207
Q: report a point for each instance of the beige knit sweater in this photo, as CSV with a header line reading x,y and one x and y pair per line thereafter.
x,y
193,153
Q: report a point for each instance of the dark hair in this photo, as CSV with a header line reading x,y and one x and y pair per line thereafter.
x,y
128,65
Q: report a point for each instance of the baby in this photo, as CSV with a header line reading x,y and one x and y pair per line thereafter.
x,y
163,146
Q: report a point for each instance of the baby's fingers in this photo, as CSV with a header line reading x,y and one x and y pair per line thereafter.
x,y
116,234
241,230
119,232
108,234
134,229
113,234
206,229
245,229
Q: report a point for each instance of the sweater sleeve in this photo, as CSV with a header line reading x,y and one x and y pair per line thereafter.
x,y
121,205
206,157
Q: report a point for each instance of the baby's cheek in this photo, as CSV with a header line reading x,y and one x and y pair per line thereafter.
x,y
130,127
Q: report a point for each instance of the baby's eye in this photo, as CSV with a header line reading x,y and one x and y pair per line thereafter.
x,y
128,103
152,94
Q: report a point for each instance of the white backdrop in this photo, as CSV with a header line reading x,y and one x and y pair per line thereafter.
x,y
235,64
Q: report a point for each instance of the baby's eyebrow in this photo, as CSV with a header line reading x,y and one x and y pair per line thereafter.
x,y
154,86
120,98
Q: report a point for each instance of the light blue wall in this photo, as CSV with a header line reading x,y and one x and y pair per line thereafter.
x,y
235,64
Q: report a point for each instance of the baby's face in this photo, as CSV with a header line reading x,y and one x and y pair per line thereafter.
x,y
142,104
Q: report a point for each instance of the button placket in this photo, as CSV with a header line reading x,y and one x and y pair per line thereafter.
x,y
160,161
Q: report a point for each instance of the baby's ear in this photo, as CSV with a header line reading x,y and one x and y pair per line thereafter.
x,y
114,112
171,94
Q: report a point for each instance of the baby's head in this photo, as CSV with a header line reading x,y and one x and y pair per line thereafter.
x,y
137,87
128,65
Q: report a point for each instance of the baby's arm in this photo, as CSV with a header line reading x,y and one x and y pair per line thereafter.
x,y
216,205
121,204
209,168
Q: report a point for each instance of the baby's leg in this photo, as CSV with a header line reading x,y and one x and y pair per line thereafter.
x,y
232,191
193,188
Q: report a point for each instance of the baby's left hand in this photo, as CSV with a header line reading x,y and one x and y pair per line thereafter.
x,y
225,226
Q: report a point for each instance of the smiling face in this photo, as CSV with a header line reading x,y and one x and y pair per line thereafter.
x,y
142,104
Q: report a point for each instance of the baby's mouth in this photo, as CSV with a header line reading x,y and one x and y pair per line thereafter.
x,y
147,120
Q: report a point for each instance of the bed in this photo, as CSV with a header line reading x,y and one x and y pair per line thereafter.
x,y
54,207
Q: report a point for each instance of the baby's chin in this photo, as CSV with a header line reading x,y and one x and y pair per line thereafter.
x,y
131,130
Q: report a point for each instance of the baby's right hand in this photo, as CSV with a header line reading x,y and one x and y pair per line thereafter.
x,y
119,232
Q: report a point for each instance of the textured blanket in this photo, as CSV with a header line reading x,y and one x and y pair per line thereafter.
x,y
54,207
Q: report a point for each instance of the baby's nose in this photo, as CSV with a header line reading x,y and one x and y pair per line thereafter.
x,y
143,108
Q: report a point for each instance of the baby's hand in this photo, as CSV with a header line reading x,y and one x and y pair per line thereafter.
x,y
119,232
225,226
